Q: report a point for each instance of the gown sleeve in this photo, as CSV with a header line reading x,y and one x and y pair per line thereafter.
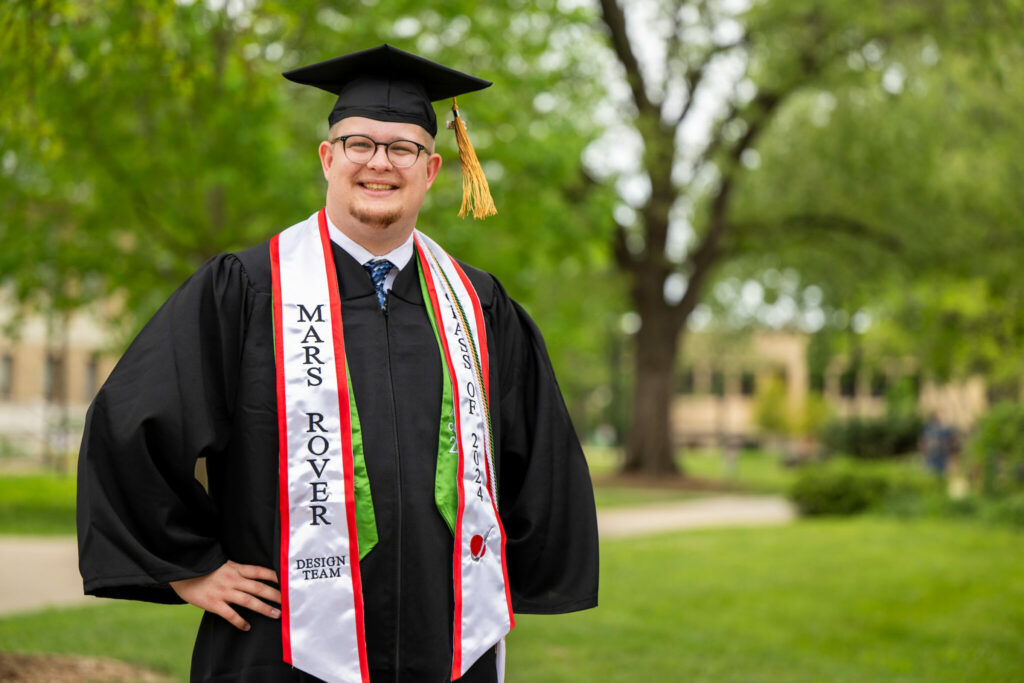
x,y
546,497
143,518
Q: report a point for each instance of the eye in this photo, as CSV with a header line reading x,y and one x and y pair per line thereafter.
x,y
359,144
400,148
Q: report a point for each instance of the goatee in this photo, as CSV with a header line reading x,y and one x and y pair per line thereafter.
x,y
376,219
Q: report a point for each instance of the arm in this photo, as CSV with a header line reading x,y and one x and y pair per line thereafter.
x,y
546,497
147,528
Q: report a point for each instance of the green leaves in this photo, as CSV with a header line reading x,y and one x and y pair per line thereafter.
x,y
897,191
142,137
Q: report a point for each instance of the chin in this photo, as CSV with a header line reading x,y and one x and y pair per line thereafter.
x,y
379,218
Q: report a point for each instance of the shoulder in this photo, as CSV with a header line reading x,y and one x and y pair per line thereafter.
x,y
255,264
493,296
230,274
486,285
505,313
495,300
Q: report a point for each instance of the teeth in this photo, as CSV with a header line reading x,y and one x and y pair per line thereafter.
x,y
378,186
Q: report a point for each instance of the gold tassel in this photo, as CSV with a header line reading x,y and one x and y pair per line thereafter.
x,y
476,194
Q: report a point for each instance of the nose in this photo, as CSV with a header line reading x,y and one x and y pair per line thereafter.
x,y
380,156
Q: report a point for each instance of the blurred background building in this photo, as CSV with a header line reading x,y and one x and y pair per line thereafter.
x,y
757,388
50,369
743,391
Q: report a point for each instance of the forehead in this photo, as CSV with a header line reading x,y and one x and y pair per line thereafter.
x,y
381,131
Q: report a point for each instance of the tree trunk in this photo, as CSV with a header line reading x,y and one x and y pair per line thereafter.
x,y
649,448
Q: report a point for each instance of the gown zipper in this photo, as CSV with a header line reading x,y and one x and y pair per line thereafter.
x,y
398,486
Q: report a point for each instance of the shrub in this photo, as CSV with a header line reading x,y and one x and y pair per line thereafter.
x,y
1008,510
837,491
930,504
814,416
872,437
996,450
771,412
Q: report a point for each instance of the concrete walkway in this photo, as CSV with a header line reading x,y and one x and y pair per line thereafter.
x,y
40,572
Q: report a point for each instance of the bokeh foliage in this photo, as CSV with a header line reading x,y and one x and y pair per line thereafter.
x,y
806,136
895,192
142,137
867,149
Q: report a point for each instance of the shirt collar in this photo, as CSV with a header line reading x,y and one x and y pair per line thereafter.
x,y
399,256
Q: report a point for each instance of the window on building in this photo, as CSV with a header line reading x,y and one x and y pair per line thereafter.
x,y
54,377
6,377
848,383
817,381
879,384
748,383
718,383
92,377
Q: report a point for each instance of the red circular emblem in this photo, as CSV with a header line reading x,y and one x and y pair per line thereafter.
x,y
477,547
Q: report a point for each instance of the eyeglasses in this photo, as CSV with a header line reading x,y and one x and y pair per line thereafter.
x,y
360,149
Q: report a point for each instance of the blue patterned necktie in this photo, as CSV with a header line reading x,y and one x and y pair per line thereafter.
x,y
378,270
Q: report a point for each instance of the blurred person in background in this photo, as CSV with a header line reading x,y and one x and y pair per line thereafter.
x,y
938,442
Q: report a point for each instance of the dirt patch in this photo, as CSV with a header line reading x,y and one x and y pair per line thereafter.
x,y
40,668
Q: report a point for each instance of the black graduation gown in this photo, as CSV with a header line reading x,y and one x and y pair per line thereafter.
x,y
199,381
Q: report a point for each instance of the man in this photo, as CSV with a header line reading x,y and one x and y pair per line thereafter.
x,y
937,442
392,470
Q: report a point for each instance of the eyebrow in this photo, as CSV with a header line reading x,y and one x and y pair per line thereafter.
x,y
383,142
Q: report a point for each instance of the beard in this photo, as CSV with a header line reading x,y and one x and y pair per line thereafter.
x,y
381,218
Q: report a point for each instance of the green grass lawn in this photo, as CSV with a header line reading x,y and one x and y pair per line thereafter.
x,y
753,470
155,636
706,472
608,495
42,503
860,600
868,599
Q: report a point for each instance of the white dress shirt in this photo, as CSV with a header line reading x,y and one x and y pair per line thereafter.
x,y
399,256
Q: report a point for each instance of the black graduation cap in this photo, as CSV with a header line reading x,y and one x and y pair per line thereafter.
x,y
386,84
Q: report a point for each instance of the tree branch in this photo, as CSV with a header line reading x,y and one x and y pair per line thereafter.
x,y
707,253
766,104
756,115
615,20
620,250
674,41
833,223
694,75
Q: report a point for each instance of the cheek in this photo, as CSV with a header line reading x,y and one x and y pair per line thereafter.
x,y
336,176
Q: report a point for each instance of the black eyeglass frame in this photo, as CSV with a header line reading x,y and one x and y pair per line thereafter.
x,y
343,139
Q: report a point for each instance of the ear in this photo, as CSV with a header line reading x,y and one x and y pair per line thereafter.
x,y
433,166
326,156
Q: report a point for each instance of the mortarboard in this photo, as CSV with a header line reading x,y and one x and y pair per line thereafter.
x,y
387,84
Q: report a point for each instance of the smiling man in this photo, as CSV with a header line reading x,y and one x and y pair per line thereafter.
x,y
392,471
371,195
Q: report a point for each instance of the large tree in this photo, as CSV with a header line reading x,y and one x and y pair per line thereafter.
x,y
708,83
